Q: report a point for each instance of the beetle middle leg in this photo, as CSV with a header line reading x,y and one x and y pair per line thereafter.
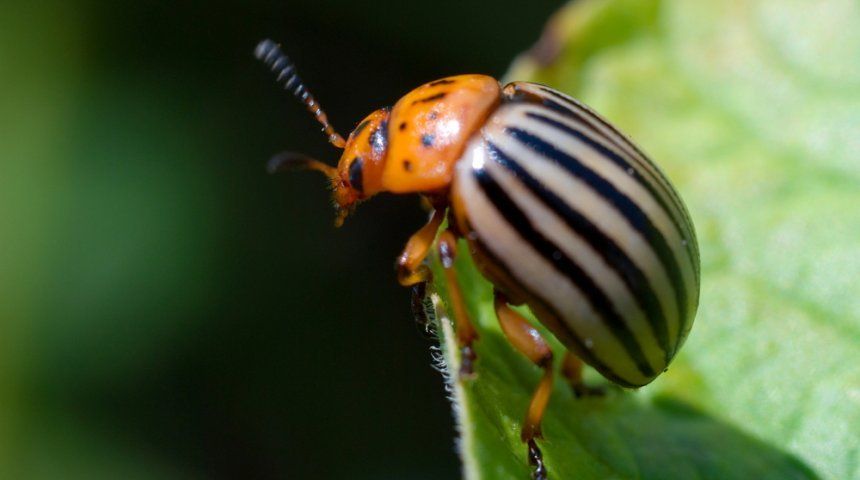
x,y
528,340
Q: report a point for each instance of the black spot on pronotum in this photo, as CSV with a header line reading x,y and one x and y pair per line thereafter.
x,y
427,140
407,165
433,115
431,98
444,81
355,174
402,126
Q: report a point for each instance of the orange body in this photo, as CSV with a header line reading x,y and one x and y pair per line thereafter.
x,y
429,129
413,148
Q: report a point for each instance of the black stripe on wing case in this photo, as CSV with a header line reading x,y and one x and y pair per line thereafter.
x,y
565,266
571,110
627,207
622,164
652,169
605,246
536,301
587,117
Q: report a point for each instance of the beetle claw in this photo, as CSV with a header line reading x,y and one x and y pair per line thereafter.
x,y
467,362
421,310
536,461
581,390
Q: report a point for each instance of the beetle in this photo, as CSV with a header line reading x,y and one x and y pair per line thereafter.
x,y
560,210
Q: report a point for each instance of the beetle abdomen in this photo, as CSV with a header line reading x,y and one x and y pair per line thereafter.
x,y
588,230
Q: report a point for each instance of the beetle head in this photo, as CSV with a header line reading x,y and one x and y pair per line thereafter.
x,y
359,172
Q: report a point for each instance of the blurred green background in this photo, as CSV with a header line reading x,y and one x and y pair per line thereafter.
x,y
168,309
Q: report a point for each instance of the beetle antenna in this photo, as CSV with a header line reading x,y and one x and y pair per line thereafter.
x,y
287,161
270,53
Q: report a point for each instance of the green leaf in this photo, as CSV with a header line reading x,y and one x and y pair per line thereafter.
x,y
753,110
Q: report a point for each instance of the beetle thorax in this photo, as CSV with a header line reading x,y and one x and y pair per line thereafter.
x,y
412,147
430,127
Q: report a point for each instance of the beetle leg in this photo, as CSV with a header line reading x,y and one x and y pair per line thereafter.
x,y
571,369
410,264
466,333
420,309
527,339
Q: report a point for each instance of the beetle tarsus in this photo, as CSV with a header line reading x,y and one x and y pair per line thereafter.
x,y
581,390
420,309
571,370
467,362
536,461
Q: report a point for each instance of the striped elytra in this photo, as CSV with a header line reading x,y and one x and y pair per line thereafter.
x,y
563,209
560,210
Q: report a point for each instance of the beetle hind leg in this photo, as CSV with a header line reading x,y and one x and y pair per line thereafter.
x,y
571,369
528,341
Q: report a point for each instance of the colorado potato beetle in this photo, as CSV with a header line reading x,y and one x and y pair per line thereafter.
x,y
560,210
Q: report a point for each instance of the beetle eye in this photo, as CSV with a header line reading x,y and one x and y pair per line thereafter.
x,y
355,173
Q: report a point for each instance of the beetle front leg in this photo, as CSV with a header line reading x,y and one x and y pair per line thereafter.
x,y
410,264
411,271
528,340
466,333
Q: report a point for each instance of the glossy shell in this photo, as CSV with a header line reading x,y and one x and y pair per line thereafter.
x,y
565,214
430,126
